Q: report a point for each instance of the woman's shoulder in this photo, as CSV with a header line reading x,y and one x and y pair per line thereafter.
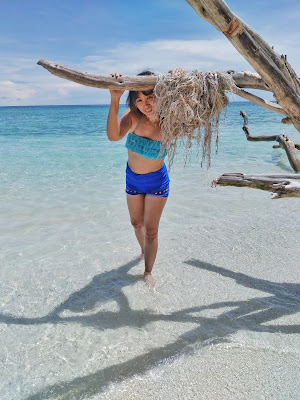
x,y
128,114
131,117
131,114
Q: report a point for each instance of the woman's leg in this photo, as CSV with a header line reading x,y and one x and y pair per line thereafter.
x,y
136,206
154,206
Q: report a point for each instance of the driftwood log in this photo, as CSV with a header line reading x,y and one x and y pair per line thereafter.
x,y
99,81
243,79
281,185
285,143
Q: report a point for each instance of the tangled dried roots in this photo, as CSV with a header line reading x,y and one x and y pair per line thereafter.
x,y
188,106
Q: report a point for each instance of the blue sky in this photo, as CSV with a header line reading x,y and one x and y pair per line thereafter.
x,y
101,36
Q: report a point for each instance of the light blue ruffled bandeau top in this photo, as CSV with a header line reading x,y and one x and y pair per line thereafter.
x,y
144,147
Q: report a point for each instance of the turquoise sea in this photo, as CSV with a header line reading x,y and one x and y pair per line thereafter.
x,y
77,320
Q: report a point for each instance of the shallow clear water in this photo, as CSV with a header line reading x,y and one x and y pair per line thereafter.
x,y
77,321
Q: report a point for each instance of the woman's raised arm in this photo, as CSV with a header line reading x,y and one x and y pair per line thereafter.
x,y
116,129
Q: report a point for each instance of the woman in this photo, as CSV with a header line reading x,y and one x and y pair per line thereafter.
x,y
147,180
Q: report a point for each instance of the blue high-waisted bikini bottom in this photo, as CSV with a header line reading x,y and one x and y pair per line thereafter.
x,y
154,184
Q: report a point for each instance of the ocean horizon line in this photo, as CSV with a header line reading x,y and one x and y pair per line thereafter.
x,y
85,105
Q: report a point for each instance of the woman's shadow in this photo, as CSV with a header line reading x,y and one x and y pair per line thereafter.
x,y
79,306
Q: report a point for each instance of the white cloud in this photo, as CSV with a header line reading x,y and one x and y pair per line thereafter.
x,y
11,92
163,55
41,92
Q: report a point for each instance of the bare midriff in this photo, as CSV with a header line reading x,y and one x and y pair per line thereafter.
x,y
141,165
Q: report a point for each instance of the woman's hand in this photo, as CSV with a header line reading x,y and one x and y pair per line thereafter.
x,y
116,93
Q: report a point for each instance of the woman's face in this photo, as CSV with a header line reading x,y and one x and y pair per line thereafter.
x,y
145,103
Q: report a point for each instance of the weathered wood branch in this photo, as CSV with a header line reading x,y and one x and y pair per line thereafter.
x,y
277,146
281,185
286,121
230,24
99,81
266,62
280,62
285,143
292,74
248,80
243,79
259,101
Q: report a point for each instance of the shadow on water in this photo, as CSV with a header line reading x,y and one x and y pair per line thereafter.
x,y
251,314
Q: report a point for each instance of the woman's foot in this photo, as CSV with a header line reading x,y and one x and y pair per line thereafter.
x,y
150,281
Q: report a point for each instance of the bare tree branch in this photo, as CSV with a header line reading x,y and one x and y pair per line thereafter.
x,y
285,143
249,80
261,102
99,81
286,121
267,63
243,79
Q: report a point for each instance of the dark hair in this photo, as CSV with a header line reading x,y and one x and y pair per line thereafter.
x,y
132,95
